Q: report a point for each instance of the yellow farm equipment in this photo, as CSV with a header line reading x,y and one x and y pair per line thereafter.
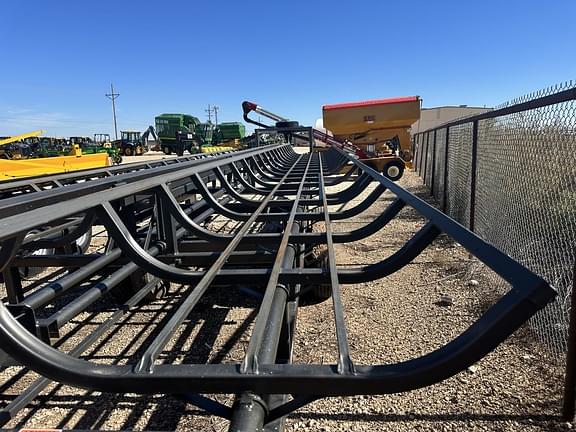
x,y
375,131
379,128
11,169
16,162
216,149
16,138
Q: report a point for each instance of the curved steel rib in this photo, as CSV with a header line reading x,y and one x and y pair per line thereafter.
x,y
479,339
529,292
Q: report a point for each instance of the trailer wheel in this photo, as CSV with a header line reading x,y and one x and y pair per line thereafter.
x,y
128,151
83,242
393,170
26,272
79,246
167,150
317,293
137,280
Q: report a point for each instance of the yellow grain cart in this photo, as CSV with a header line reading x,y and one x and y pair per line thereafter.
x,y
379,128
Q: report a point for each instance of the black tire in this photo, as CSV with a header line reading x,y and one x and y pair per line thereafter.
x,y
128,151
180,152
26,272
167,150
322,292
394,170
316,293
287,124
130,286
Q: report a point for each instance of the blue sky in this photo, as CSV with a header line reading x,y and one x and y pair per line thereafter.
x,y
59,57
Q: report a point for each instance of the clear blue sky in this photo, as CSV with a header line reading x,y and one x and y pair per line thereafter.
x,y
59,57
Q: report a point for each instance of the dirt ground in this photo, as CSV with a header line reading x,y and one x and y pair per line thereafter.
x,y
516,388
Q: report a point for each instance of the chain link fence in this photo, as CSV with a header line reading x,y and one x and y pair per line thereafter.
x,y
510,176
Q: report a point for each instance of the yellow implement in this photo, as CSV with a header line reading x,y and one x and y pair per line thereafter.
x,y
215,149
370,124
10,169
20,137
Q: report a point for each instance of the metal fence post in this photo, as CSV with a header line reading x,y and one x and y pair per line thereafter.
x,y
426,156
569,407
445,193
415,153
473,175
433,164
419,155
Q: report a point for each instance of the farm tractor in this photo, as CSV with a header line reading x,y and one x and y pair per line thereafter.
x,y
134,143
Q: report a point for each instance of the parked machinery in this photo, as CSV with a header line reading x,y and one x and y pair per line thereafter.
x,y
103,140
383,155
100,144
183,132
177,133
15,147
134,143
379,128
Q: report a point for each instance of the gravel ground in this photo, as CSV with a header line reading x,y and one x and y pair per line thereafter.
x,y
516,388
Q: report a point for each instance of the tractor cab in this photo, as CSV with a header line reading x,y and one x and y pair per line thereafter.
x,y
132,137
102,140
130,143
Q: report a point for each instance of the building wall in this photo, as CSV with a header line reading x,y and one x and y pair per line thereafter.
x,y
432,117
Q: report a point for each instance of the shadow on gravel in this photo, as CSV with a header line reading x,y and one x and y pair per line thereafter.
x,y
163,412
415,417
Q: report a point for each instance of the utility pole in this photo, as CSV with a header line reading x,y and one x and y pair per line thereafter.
x,y
212,109
112,96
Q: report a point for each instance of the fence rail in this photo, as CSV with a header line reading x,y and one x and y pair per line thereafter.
x,y
509,175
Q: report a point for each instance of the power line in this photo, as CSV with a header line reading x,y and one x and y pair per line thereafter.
x,y
113,96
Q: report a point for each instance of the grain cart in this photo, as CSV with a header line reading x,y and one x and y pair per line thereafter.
x,y
379,128
382,154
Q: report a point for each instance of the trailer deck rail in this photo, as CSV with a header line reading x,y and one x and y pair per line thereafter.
x,y
157,220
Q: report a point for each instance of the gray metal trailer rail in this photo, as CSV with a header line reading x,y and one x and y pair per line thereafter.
x,y
156,216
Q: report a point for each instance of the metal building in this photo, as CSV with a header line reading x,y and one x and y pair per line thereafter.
x,y
432,117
